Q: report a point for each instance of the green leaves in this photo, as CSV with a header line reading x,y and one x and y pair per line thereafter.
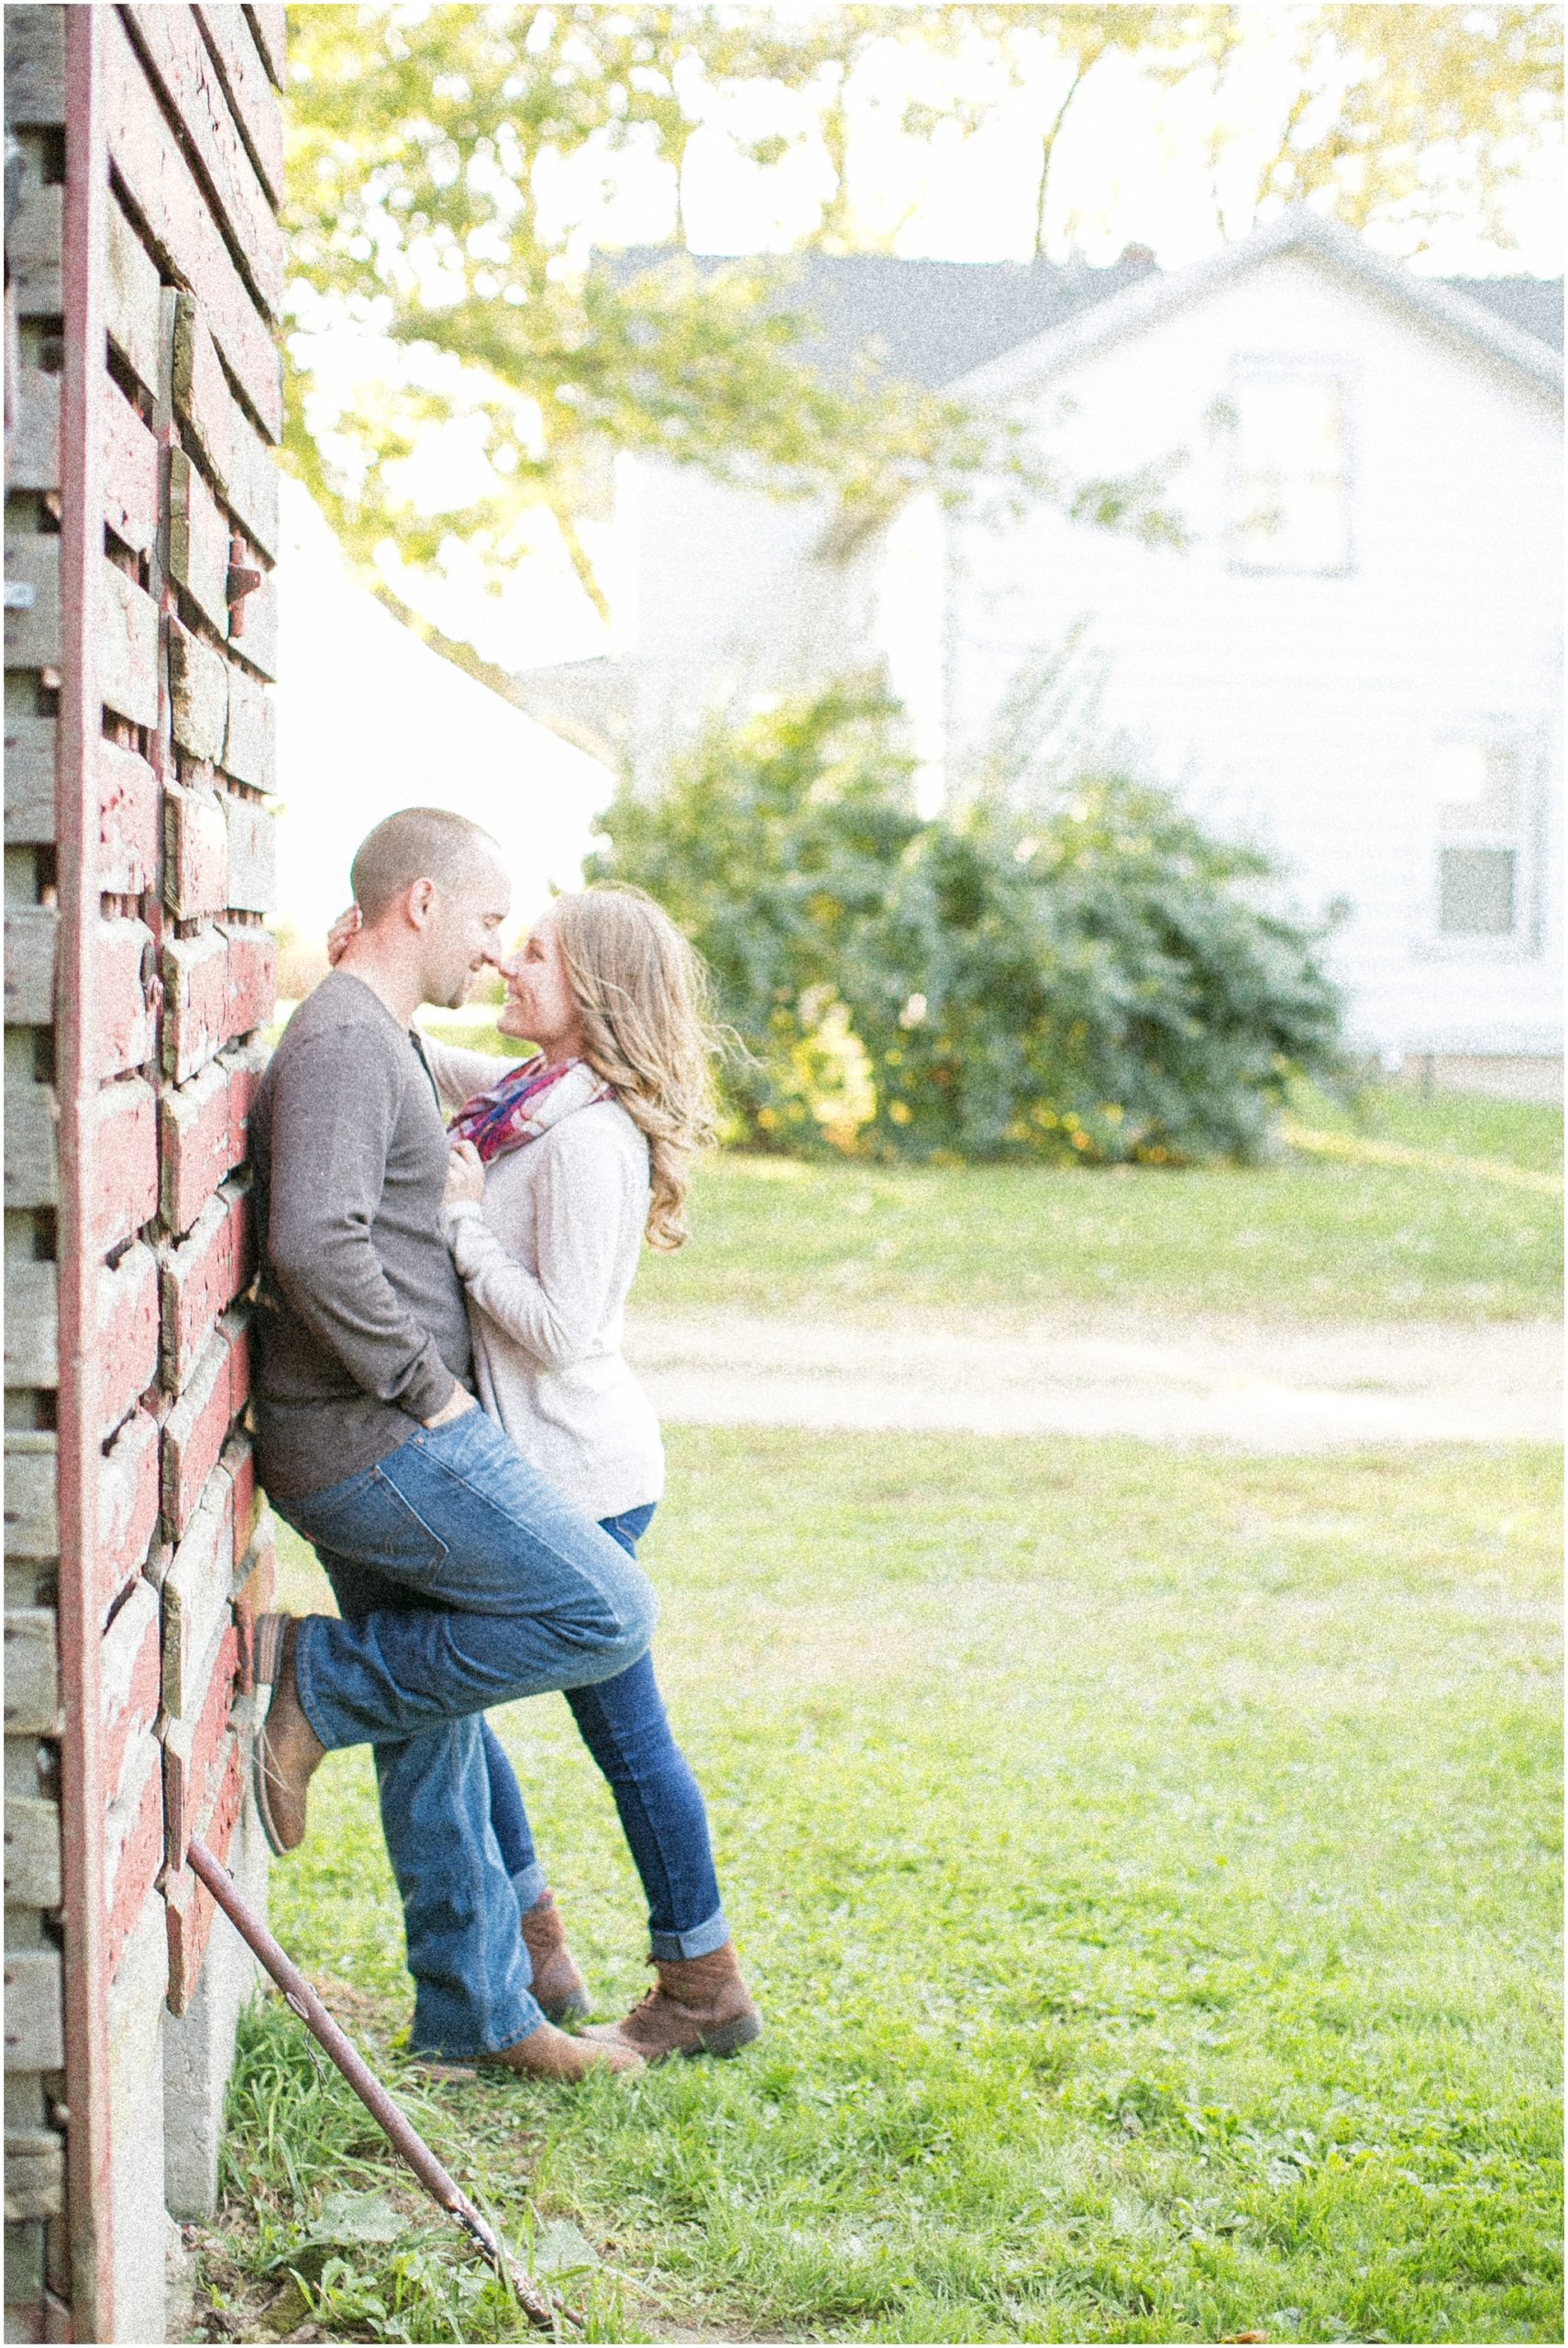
x,y
1097,979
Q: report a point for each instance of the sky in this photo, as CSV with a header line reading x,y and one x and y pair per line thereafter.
x,y
369,720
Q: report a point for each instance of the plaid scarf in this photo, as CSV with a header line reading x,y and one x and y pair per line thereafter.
x,y
528,1101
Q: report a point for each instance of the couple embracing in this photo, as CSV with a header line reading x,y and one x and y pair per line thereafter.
x,y
443,1412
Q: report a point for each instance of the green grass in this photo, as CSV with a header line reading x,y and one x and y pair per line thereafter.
x,y
1416,1208
1147,1863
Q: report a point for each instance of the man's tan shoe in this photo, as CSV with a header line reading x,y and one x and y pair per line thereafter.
x,y
558,1985
701,2007
550,2053
287,1750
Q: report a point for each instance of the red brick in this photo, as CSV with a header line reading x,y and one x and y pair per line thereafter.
x,y
257,1580
128,1332
190,1747
195,1433
126,1167
238,1323
195,853
127,1504
246,1064
197,1129
127,821
252,979
133,1840
130,1680
122,1013
190,1908
202,1274
195,997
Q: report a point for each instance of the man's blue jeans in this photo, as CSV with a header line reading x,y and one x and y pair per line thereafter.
x,y
623,1724
464,1580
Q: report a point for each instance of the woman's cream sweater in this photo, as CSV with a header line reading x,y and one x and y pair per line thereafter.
x,y
548,1262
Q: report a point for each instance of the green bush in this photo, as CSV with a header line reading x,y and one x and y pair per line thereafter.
x,y
1096,979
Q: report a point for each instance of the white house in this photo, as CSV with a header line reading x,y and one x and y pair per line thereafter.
x,y
1356,661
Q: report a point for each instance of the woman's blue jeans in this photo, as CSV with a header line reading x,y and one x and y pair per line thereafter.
x,y
623,1724
463,1580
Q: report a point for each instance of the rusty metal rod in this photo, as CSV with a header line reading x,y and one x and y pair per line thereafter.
x,y
541,2309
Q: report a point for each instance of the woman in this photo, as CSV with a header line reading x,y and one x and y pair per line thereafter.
x,y
560,1168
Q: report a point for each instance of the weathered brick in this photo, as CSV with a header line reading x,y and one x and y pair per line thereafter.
x,y
252,883
198,693
190,1907
194,1435
202,1273
32,940
196,1132
252,979
33,1512
195,997
133,1845
254,627
122,1013
249,747
130,1681
196,1598
128,820
130,471
32,1672
32,1880
128,647
236,1322
258,1587
32,1153
128,1332
128,1505
195,853
198,542
126,1170
240,1467
190,1746
247,1064
29,779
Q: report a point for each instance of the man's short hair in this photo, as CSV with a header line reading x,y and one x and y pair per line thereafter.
x,y
417,844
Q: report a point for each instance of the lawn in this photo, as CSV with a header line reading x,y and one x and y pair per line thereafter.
x,y
1426,1210
1412,1208
1147,1863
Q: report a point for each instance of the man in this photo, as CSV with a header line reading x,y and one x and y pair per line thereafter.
x,y
462,1580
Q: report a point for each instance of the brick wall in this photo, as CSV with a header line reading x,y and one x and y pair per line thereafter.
x,y
138,866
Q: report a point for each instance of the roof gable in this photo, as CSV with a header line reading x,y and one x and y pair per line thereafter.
x,y
1485,326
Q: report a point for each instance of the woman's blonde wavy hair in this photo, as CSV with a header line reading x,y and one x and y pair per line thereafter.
x,y
642,990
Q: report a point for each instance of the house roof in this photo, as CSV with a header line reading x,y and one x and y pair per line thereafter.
x,y
941,322
1504,331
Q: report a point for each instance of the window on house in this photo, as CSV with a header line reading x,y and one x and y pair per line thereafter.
x,y
1291,469
1477,787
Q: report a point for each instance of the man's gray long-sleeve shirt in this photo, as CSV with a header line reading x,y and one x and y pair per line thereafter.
x,y
362,1327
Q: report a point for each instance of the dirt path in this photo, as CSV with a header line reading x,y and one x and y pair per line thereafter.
x,y
1282,1389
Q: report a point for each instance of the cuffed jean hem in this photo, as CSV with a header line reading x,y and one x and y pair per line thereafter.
x,y
701,1941
530,1884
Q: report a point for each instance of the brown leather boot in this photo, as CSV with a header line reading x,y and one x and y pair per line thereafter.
x,y
559,1986
550,2053
288,1751
701,2007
